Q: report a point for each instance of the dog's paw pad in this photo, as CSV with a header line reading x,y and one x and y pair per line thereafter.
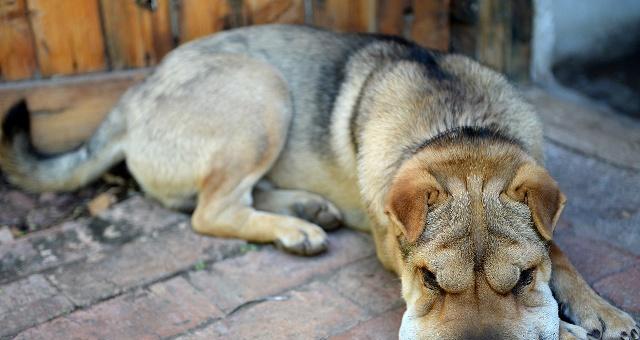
x,y
634,334
320,212
303,241
595,334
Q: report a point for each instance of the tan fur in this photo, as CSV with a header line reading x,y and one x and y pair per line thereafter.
x,y
470,214
476,243
533,186
409,200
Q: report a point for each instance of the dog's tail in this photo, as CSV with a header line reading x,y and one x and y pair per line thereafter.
x,y
25,167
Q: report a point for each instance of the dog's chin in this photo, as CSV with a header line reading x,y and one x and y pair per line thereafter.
x,y
541,323
410,330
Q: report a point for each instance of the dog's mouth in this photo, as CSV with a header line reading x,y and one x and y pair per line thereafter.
x,y
482,327
514,302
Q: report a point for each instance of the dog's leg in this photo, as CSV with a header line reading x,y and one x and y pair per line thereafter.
x,y
308,206
583,306
224,210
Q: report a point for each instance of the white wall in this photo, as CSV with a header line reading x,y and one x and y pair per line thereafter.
x,y
582,30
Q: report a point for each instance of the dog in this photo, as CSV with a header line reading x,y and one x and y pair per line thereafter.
x,y
272,133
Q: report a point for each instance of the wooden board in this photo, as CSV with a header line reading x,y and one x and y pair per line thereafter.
x,y
259,12
391,16
341,15
198,18
17,52
68,36
136,37
430,27
493,37
519,57
66,111
504,36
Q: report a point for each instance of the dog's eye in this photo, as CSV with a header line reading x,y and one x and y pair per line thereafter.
x,y
429,279
526,277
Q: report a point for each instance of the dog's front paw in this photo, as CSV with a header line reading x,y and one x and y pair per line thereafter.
x,y
602,320
306,239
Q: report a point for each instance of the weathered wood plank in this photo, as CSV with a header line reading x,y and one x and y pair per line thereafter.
x,y
504,36
430,27
198,18
493,33
258,12
17,52
136,37
519,58
68,36
391,16
66,111
352,15
462,26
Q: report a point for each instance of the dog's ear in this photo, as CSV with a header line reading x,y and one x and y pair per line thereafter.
x,y
408,202
533,186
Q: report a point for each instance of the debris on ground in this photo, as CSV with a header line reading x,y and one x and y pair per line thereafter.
x,y
24,212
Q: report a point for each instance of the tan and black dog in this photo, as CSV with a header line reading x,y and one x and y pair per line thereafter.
x,y
439,157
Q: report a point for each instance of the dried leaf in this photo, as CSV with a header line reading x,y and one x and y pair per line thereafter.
x,y
101,203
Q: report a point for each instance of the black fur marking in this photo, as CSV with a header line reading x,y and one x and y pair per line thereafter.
x,y
329,87
353,120
467,133
16,121
416,53
429,60
333,76
604,325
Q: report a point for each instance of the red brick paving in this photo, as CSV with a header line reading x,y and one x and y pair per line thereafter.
x,y
165,309
382,327
140,262
28,302
257,274
593,258
309,312
623,288
367,284
46,249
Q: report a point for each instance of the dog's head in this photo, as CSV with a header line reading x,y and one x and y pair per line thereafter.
x,y
473,221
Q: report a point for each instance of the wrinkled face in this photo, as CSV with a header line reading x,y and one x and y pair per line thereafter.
x,y
479,267
475,263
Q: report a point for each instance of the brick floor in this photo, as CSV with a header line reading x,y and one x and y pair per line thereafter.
x,y
49,248
368,285
382,327
623,288
164,309
142,261
137,271
595,258
312,312
258,274
28,302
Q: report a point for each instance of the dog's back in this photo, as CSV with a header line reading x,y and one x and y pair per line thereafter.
x,y
328,76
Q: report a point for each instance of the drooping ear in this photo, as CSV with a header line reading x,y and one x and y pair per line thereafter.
x,y
408,202
533,186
